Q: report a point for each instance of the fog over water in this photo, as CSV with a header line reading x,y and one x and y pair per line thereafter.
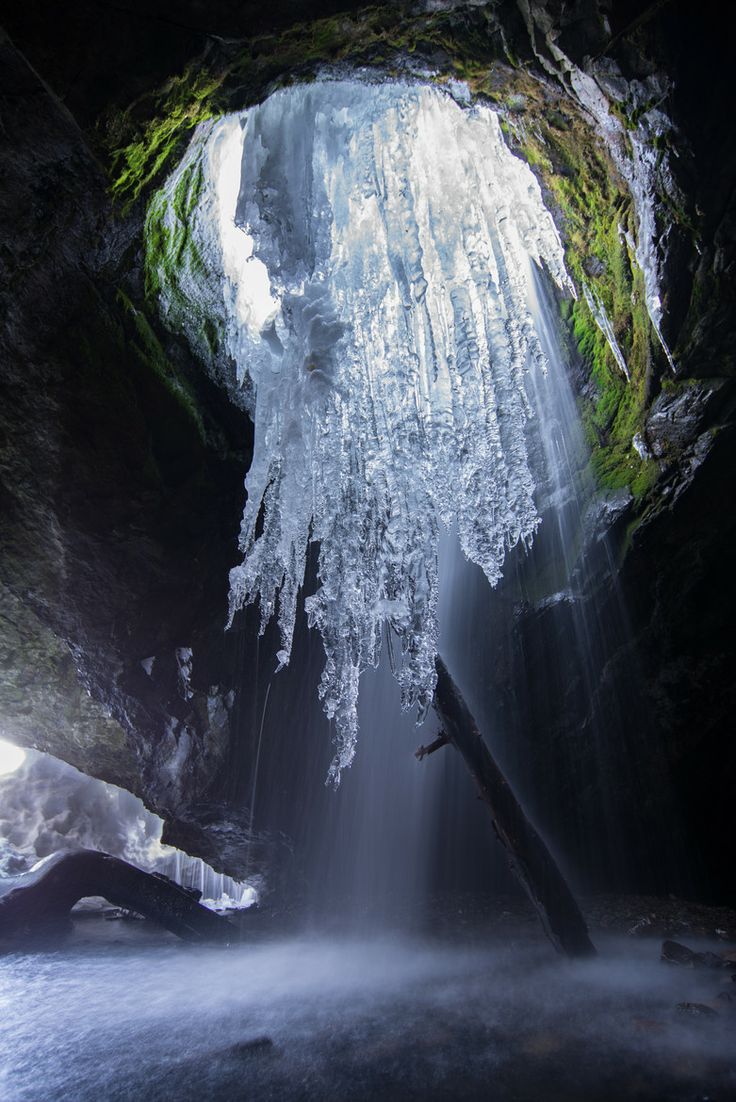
x,y
123,1015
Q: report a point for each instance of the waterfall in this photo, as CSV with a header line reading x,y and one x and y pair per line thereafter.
x,y
542,658
363,252
361,265
372,863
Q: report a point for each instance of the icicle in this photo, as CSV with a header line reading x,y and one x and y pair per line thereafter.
x,y
640,172
371,245
603,322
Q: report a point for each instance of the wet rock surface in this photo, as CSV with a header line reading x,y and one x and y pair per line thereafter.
x,y
684,957
677,417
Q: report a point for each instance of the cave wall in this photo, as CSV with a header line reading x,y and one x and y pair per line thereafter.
x,y
121,467
121,485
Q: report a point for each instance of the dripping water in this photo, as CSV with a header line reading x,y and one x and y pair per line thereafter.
x,y
252,806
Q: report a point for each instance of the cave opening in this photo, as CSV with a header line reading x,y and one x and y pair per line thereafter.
x,y
439,286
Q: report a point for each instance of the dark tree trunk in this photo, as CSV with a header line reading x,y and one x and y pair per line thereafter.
x,y
40,902
530,860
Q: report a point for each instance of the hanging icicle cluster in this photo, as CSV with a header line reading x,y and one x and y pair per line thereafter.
x,y
363,251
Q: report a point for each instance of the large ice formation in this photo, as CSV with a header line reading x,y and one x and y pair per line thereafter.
x,y
363,252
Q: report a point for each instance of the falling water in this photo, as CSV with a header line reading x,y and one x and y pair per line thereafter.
x,y
373,862
396,831
533,655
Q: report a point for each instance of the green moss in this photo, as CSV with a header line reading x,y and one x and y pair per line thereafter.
x,y
174,266
615,412
168,235
152,356
594,211
645,479
626,118
141,153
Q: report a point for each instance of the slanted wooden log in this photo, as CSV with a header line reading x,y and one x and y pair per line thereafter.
x,y
530,860
40,901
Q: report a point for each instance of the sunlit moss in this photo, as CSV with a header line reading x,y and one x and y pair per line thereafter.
x,y
182,104
169,242
595,213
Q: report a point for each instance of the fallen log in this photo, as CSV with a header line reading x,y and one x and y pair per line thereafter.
x,y
529,858
39,902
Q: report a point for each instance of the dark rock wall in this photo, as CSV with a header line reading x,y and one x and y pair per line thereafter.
x,y
121,489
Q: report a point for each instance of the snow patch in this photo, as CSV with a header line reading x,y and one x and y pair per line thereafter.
x,y
47,806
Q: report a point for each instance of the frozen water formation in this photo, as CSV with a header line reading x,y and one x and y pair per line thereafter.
x,y
361,253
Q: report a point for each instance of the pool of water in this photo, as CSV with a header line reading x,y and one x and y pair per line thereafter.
x,y
124,1013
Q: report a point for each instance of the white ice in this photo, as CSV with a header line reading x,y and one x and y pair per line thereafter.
x,y
371,247
603,322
